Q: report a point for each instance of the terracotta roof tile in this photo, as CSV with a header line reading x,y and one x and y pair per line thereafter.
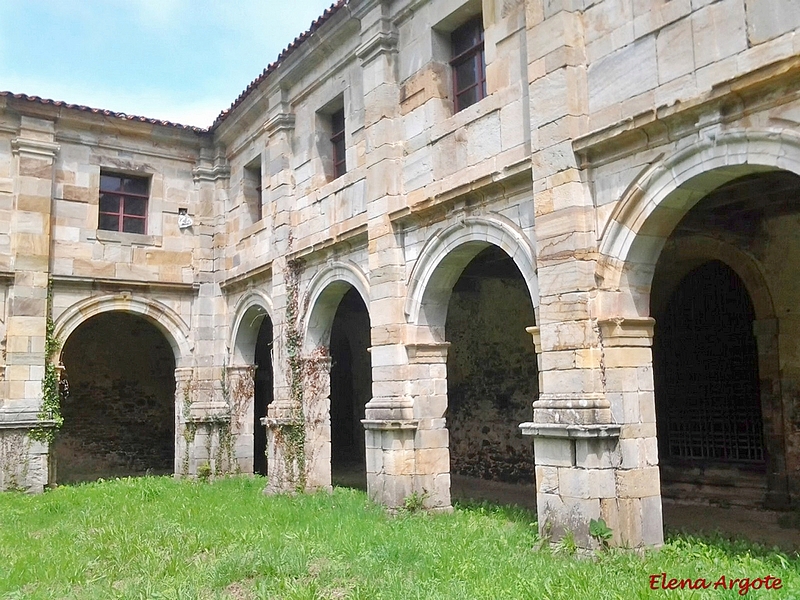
x,y
101,111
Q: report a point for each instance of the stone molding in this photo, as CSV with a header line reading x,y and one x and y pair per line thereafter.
x,y
564,431
283,121
383,42
426,353
37,148
389,424
166,319
627,331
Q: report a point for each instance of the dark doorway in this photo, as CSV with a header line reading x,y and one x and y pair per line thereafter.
x,y
119,415
492,377
263,392
351,389
705,362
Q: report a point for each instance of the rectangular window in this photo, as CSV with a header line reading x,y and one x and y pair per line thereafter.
x,y
468,63
123,203
338,143
253,190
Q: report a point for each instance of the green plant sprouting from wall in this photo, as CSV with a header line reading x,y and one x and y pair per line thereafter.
x,y
49,417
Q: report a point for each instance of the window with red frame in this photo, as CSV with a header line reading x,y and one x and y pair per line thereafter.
x,y
468,63
337,140
123,203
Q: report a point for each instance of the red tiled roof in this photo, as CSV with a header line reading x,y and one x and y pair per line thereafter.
x,y
334,8
101,111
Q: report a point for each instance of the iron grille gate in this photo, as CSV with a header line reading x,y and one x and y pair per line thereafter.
x,y
706,359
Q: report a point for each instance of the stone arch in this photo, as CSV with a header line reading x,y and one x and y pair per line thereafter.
x,y
248,313
654,203
448,252
693,251
163,317
324,293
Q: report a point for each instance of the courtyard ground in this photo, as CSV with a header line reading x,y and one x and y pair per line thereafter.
x,y
156,537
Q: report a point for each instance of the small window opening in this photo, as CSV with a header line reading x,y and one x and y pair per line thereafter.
x,y
338,144
253,190
123,203
468,63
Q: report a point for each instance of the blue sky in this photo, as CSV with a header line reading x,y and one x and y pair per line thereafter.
x,y
179,60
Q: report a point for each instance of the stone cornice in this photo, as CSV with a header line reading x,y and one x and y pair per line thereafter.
x,y
726,102
282,121
383,42
35,147
123,284
213,173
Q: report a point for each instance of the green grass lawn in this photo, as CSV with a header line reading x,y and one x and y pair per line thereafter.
x,y
160,538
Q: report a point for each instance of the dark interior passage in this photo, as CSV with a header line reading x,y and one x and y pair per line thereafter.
x,y
263,391
119,415
705,363
492,376
351,389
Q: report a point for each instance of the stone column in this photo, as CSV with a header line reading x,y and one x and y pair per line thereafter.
x,y
389,422
184,433
635,513
240,382
773,411
427,373
35,152
282,421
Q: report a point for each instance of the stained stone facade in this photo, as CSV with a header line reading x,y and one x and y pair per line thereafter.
x,y
620,146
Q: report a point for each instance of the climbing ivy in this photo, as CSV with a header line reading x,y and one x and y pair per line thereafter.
x,y
49,417
292,436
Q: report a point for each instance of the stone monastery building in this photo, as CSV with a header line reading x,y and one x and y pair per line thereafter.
x,y
548,242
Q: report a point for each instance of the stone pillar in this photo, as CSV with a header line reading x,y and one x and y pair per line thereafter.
x,y
635,513
427,373
789,333
390,425
240,382
34,152
772,411
184,433
282,420
317,410
597,456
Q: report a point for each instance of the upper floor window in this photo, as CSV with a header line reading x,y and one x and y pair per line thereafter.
x,y
253,190
337,141
123,203
468,63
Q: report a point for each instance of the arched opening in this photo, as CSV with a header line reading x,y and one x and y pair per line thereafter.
x,y
708,406
350,389
492,378
119,414
263,394
725,280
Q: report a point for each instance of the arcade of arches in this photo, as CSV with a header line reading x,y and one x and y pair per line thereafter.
x,y
725,362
